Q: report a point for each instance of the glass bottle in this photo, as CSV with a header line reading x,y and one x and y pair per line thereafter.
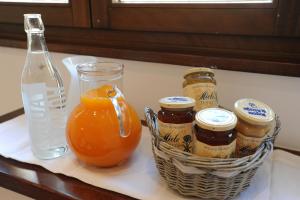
x,y
43,94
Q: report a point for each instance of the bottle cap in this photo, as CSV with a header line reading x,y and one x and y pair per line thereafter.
x,y
197,70
254,111
216,119
33,23
177,102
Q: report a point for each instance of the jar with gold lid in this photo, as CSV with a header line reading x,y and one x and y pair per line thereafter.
x,y
254,122
214,133
175,121
200,85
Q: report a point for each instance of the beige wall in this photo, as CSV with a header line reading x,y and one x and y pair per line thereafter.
x,y
145,83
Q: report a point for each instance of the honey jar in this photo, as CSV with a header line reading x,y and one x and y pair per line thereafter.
x,y
214,133
200,85
175,121
254,122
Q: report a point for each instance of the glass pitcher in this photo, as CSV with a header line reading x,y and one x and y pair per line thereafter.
x,y
103,129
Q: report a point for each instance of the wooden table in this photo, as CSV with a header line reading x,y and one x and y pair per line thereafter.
x,y
36,182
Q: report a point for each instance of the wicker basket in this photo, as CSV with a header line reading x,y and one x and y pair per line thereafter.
x,y
206,178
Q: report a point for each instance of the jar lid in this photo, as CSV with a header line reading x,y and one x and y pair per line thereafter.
x,y
254,111
197,70
177,102
216,119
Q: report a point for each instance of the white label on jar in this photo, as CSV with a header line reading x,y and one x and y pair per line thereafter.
x,y
205,95
247,145
220,151
177,135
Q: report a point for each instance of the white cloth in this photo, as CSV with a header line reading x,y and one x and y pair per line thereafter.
x,y
139,177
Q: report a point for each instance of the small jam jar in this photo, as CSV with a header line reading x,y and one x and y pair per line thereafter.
x,y
254,122
175,121
200,85
215,134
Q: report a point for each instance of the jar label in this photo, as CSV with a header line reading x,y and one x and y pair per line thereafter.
x,y
177,135
205,95
221,151
247,145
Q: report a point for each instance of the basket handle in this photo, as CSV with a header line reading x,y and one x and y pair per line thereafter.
x,y
151,119
276,131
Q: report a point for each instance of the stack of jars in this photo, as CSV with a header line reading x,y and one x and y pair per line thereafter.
x,y
195,123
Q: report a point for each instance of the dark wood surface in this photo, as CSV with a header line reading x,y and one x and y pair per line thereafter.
x,y
74,14
36,182
196,18
217,21
100,16
39,183
288,24
259,54
259,38
80,13
196,5
11,115
297,153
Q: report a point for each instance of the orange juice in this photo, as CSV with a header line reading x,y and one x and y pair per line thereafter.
x,y
93,130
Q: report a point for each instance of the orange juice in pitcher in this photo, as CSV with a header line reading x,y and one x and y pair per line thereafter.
x,y
103,130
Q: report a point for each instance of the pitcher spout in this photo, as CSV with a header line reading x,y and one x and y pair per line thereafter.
x,y
70,63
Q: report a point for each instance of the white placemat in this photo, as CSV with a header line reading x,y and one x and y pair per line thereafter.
x,y
139,177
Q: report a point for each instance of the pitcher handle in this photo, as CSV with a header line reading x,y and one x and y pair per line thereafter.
x,y
118,110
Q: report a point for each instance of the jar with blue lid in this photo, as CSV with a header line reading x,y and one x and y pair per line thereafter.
x,y
255,120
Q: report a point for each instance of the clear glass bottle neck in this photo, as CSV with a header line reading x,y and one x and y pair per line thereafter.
x,y
36,42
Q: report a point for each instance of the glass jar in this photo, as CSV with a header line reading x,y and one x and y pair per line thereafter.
x,y
215,135
103,130
254,122
175,121
200,85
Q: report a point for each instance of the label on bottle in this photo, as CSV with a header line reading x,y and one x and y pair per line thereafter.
x,y
247,145
177,135
46,114
221,151
205,95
